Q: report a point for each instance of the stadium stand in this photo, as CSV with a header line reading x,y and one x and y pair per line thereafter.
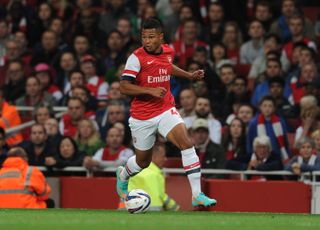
x,y
63,35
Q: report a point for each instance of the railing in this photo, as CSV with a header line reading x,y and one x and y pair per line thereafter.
x,y
31,108
27,124
243,174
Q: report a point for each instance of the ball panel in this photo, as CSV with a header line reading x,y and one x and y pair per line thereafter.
x,y
138,201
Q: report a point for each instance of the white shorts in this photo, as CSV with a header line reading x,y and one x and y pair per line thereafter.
x,y
144,131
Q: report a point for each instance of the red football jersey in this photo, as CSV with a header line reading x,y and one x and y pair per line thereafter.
x,y
150,70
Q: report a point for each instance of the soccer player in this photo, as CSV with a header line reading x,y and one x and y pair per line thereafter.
x,y
147,77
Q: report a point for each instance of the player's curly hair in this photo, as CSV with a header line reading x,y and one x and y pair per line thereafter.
x,y
153,23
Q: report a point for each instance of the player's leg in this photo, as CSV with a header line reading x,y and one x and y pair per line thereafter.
x,y
179,136
134,165
174,129
143,134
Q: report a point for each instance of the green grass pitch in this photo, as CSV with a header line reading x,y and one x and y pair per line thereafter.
x,y
78,219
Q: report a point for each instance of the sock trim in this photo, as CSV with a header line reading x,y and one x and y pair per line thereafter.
x,y
128,170
197,170
191,166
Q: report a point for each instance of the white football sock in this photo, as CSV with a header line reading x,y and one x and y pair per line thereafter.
x,y
131,168
191,166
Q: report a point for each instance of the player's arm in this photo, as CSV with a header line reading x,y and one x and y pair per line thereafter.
x,y
178,72
128,87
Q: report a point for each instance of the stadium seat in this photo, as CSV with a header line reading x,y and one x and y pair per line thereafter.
x,y
294,152
251,83
311,12
242,69
293,123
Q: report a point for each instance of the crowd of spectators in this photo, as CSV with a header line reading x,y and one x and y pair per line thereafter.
x,y
256,108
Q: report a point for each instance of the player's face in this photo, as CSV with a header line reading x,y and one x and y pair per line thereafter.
x,y
151,40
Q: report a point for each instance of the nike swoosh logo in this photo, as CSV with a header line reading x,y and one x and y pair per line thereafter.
x,y
150,62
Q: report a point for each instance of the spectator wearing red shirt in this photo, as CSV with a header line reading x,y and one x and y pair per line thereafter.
x,y
76,112
185,47
44,74
232,39
113,155
96,84
299,86
296,27
185,13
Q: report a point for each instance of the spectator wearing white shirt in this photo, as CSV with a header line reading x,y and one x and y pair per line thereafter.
x,y
253,48
203,110
113,155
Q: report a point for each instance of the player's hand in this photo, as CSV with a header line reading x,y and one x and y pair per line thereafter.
x,y
159,92
197,75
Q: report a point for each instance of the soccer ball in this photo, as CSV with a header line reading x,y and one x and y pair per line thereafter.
x,y
137,201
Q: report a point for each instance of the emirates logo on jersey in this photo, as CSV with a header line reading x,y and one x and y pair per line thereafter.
x,y
163,76
169,58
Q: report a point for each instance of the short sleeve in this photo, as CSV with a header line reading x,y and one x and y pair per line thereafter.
x,y
132,67
98,155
